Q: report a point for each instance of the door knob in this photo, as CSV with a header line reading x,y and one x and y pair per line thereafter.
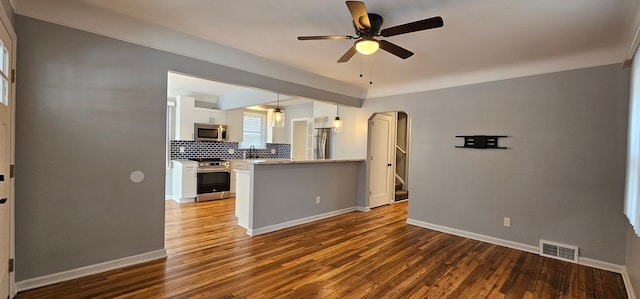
x,y
1,177
389,164
3,200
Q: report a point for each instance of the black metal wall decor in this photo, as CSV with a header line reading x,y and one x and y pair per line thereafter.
x,y
481,141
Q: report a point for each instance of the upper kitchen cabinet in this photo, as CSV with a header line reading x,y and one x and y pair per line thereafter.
x,y
185,117
187,114
235,125
210,116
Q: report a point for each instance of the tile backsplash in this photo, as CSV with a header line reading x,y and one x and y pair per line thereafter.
x,y
212,149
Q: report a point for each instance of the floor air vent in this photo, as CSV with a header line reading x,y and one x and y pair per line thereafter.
x,y
559,251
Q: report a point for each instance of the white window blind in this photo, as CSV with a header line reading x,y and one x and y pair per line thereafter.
x,y
632,196
255,129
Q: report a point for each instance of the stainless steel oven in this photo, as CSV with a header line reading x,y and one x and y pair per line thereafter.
x,y
214,179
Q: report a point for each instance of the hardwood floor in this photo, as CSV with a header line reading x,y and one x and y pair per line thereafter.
x,y
355,255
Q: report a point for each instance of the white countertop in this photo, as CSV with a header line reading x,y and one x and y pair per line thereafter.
x,y
287,161
185,161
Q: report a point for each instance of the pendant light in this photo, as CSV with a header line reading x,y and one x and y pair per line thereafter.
x,y
337,122
278,115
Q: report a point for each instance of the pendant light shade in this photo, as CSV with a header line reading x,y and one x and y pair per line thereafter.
x,y
278,115
337,122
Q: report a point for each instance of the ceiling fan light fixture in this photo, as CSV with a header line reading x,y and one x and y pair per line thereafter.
x,y
367,46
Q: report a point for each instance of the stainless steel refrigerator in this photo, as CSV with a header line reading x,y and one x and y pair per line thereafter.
x,y
324,143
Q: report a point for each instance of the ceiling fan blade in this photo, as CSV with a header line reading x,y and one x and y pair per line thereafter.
x,y
347,55
425,24
320,37
395,49
359,13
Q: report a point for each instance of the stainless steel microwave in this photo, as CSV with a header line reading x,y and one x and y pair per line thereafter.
x,y
209,132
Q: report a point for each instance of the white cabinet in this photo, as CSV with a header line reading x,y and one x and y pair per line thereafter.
x,y
185,113
185,178
210,116
236,165
232,183
244,206
235,125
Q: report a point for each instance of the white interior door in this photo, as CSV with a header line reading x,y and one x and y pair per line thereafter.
x,y
5,210
6,103
380,166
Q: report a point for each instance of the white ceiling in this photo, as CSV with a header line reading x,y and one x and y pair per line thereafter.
x,y
201,89
215,92
482,40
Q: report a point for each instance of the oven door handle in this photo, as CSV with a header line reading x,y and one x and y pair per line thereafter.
x,y
213,170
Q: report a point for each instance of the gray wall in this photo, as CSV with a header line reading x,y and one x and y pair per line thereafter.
x,y
286,192
633,260
562,178
90,110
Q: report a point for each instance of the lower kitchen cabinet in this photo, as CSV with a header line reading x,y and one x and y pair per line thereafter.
x,y
185,176
236,165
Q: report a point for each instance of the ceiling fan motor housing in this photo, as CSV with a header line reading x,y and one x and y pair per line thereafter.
x,y
376,23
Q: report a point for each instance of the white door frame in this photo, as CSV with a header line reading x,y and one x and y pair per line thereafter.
x,y
6,22
407,179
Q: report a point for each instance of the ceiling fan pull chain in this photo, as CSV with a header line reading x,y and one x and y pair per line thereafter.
x,y
361,62
371,73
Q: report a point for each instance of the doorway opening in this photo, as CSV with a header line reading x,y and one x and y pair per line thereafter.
x,y
302,139
388,155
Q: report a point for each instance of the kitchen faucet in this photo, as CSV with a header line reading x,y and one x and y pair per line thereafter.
x,y
252,152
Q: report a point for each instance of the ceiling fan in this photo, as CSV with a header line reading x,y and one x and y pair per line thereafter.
x,y
367,26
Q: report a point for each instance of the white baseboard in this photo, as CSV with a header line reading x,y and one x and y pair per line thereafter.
x,y
279,226
182,200
627,283
41,281
527,248
474,236
363,209
168,196
585,261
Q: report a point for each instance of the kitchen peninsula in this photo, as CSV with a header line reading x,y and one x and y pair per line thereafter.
x,y
272,194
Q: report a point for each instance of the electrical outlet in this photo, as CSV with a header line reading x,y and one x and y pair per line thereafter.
x,y
232,151
182,149
273,150
317,200
507,222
